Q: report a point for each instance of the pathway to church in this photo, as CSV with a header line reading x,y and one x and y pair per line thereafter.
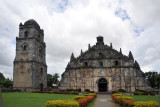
x,y
104,100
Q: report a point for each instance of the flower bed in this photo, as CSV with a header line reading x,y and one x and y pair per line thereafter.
x,y
123,100
82,101
126,101
62,103
146,104
55,92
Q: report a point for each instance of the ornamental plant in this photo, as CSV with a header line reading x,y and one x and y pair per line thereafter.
x,y
62,103
83,102
146,104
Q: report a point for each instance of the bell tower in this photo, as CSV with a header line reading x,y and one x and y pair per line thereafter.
x,y
30,69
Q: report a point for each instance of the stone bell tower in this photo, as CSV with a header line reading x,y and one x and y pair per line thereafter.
x,y
30,69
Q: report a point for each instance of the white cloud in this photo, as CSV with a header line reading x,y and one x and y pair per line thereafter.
x,y
70,26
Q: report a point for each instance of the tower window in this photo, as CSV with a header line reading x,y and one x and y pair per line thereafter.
x,y
41,70
24,47
116,62
40,51
38,36
100,54
101,64
25,34
85,63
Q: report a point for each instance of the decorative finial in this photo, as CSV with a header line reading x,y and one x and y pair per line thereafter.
x,y
130,56
89,47
120,51
111,45
81,52
72,57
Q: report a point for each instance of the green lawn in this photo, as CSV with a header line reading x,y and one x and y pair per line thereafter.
x,y
17,99
145,98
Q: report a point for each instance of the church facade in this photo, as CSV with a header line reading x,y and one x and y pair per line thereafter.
x,y
30,69
102,68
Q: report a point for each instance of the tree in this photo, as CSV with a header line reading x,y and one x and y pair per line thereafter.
x,y
55,78
7,83
52,79
151,78
2,77
49,80
158,81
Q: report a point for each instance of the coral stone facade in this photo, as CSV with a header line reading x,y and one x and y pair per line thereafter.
x,y
102,68
30,69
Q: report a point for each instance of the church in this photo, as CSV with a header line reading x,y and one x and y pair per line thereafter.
x,y
101,69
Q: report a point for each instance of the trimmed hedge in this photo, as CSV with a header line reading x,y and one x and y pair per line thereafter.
x,y
123,100
62,103
146,104
55,92
80,101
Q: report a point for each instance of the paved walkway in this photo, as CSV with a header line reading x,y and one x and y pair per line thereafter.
x,y
104,100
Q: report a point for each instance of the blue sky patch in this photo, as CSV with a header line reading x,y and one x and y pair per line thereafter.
x,y
122,14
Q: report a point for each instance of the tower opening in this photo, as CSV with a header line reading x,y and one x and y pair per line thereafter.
x,y
116,63
25,34
24,47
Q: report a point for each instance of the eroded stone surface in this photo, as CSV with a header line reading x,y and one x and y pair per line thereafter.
x,y
103,63
30,69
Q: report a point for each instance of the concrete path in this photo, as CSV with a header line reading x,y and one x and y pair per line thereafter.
x,y
104,100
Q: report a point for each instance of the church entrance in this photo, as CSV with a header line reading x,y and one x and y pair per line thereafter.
x,y
102,85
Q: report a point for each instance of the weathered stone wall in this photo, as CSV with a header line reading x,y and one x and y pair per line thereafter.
x,y
102,61
30,69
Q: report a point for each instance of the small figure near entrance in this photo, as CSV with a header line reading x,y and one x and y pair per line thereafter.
x,y
102,85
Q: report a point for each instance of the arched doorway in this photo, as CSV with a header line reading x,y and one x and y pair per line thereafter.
x,y
41,86
102,85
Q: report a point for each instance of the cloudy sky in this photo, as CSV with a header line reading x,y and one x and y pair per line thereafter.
x,y
70,25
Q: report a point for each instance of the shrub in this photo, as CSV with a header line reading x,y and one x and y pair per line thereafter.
x,y
62,103
90,94
83,102
114,92
152,93
146,104
87,90
122,90
35,91
71,92
78,97
92,91
68,90
10,90
145,93
78,90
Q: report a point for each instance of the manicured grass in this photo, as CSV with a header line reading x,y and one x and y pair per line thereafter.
x,y
145,98
20,99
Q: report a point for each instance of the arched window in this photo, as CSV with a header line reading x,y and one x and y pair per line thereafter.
x,y
25,34
40,50
101,64
24,47
116,63
41,70
85,63
100,54
39,36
